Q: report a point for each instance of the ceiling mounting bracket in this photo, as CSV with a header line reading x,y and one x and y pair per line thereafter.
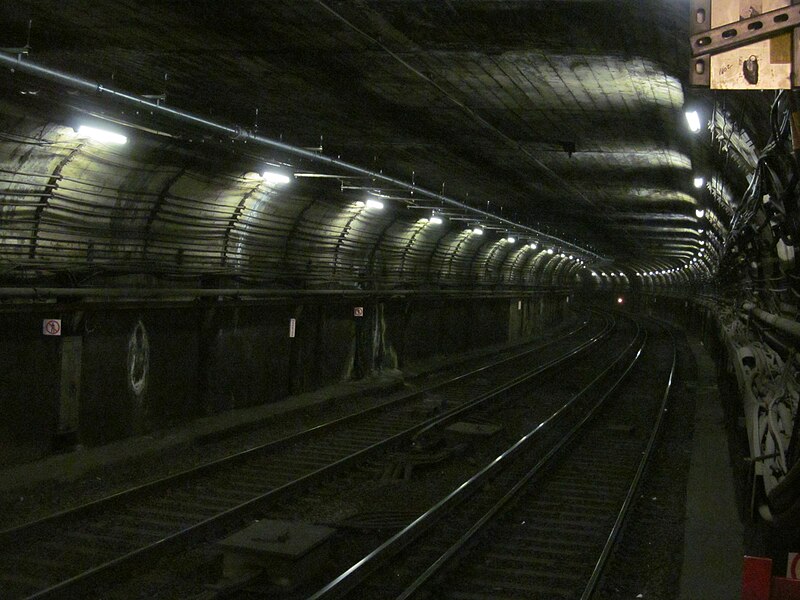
x,y
708,42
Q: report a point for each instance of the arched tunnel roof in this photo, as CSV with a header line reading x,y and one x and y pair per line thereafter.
x,y
509,143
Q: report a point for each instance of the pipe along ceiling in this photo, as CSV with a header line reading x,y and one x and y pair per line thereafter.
x,y
364,144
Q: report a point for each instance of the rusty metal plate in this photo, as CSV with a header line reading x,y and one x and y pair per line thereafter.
x,y
756,63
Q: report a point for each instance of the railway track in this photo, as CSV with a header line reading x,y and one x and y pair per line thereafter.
x,y
546,525
70,553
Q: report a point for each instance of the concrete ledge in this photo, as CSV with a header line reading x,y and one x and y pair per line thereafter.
x,y
713,532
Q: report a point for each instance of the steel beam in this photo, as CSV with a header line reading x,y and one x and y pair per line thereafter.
x,y
707,42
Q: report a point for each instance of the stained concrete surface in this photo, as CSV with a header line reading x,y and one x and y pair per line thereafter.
x,y
713,533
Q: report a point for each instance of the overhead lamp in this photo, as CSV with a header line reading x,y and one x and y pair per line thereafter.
x,y
434,220
375,204
511,239
550,251
534,245
276,177
101,135
698,182
700,213
477,231
594,274
693,119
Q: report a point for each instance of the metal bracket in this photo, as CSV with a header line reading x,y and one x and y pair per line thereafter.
x,y
706,42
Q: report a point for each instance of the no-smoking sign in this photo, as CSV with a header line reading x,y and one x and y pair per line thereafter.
x,y
51,327
793,566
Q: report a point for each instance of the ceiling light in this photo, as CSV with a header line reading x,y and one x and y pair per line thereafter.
x,y
698,182
511,239
700,213
376,204
534,245
693,119
101,135
477,231
434,220
276,177
550,251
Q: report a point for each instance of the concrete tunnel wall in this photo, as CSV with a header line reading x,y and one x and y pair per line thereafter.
x,y
131,371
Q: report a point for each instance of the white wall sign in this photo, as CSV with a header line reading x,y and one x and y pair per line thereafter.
x,y
292,327
793,566
51,327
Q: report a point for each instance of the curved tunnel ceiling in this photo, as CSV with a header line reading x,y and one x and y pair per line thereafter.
x,y
564,117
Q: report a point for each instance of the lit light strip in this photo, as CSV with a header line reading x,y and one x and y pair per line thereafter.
x,y
693,119
101,135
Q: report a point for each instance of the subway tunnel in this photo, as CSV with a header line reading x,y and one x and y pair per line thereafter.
x,y
217,215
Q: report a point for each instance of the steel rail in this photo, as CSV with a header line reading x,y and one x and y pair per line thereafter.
x,y
159,483
597,572
295,437
104,572
358,572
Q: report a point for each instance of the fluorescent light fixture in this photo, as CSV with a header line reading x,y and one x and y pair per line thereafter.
x,y
511,239
693,119
698,182
376,204
700,213
477,231
101,135
594,274
276,177
434,220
